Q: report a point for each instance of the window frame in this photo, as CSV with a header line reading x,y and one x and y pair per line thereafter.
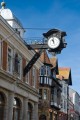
x,y
34,77
45,95
11,55
19,64
40,93
27,77
45,70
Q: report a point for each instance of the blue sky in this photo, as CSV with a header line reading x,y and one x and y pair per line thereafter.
x,y
61,14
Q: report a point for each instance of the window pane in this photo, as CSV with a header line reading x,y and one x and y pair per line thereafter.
x,y
45,94
9,65
27,77
42,71
50,81
48,70
45,80
18,64
16,114
41,80
34,77
40,93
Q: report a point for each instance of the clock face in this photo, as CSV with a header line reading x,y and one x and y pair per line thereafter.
x,y
53,42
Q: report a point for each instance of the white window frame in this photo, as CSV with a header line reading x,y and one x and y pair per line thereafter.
x,y
11,62
34,77
27,76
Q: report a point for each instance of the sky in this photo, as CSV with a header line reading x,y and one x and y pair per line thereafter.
x,y
61,14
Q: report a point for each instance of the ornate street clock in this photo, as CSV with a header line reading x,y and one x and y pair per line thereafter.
x,y
53,42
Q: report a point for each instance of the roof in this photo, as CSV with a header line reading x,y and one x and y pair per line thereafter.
x,y
54,62
8,15
52,31
44,58
65,74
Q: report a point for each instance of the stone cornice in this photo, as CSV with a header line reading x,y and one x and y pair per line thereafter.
x,y
20,84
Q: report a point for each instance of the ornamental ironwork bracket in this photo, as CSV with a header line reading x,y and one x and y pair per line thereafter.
x,y
44,45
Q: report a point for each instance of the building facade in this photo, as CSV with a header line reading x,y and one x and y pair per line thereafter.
x,y
74,97
49,89
65,80
18,94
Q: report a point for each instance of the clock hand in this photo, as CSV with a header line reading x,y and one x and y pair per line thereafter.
x,y
53,40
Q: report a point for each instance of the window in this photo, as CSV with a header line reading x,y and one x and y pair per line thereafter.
x,y
16,109
45,70
61,103
45,94
2,104
54,74
33,77
50,81
41,80
52,97
48,70
9,60
27,78
45,80
65,104
40,93
42,70
29,111
65,90
18,64
52,94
